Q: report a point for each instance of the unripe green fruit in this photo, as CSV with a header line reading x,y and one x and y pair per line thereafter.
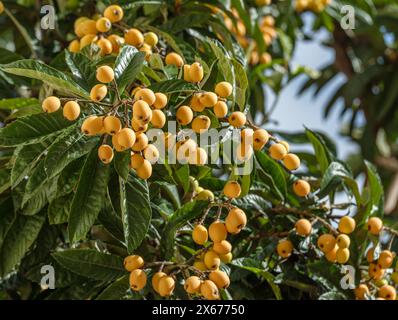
x,y
212,260
105,45
277,151
326,242
220,109
133,262
347,225
232,189
126,138
303,227
151,39
174,59
105,74
136,161
141,142
74,46
223,89
103,24
199,234
184,115
301,188
166,286
343,241
217,231
145,170
226,258
385,260
201,124
205,195
147,95
114,13
92,125
155,280
158,119
87,40
222,248
342,255
237,119
220,279
161,100
51,104
112,125
137,279
98,92
208,99
134,37
196,72
142,111
235,221
71,110
387,292
192,284
198,157
361,291
291,161
151,153
375,225
209,290
105,153
284,248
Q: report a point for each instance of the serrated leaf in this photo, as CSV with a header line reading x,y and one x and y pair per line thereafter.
x,y
58,209
116,291
122,164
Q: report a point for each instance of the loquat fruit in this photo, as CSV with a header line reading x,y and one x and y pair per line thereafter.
x,y
220,278
133,262
126,138
155,280
137,279
209,290
196,72
222,248
199,234
342,255
331,256
212,260
205,195
198,157
151,39
187,76
71,110
195,103
105,74
375,272
141,142
87,40
387,292
174,59
51,104
142,111
291,161
220,109
200,124
166,286
200,265
208,99
260,139
277,151
226,258
151,153
326,242
386,259
114,13
98,92
105,46
184,115
112,125
103,24
223,89
192,284
303,227
74,46
284,248
92,125
160,100
134,37
105,153
301,188
237,119
343,241
235,221
361,291
147,95
136,161
347,225
217,231
145,170
158,119
232,189
375,225
116,42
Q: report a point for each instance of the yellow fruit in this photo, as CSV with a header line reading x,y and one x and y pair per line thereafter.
x,y
98,92
114,13
222,248
74,46
187,76
158,119
155,280
394,277
199,234
116,42
291,161
220,279
105,45
145,170
375,225
217,231
223,89
246,136
375,272
166,286
112,125
303,227
347,225
260,139
331,255
151,153
205,195
87,27
105,74
226,258
184,115
137,279
136,161
139,126
370,255
196,72
51,104
385,260
133,262
326,242
237,119
116,144
212,260
361,291
103,24
147,95
198,157
200,265
343,241
79,21
342,255
195,103
142,111
151,39
141,142
301,188
220,109
71,110
92,125
286,145
235,221
201,124
277,151
105,153
208,99
160,101
147,50
232,189
184,149
387,292
174,59
134,37
126,138
265,58
209,290
87,40
192,284
284,248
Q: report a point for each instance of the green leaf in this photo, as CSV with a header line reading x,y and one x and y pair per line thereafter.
x,y
322,153
58,209
122,164
91,264
17,103
241,84
182,175
117,290
89,197
7,217
82,68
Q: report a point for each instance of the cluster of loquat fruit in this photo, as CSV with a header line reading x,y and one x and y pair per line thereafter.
x,y
311,5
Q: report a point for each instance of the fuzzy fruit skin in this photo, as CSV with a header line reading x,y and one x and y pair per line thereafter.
x,y
71,110
209,290
105,74
217,231
226,258
291,161
208,99
74,46
326,242
342,255
232,189
237,119
141,142
105,45
158,119
92,125
375,225
212,260
284,248
303,227
103,24
133,262
126,138
220,109
134,37
375,272
151,39
98,92
51,104
361,291
220,278
166,286
387,292
385,260
105,153
343,241
200,265
184,115
205,195
200,234
347,225
147,95
222,248
277,151
137,279
192,284
201,124
196,72
174,59
145,170
301,188
136,161
155,280
151,153
331,255
160,101
235,221
114,13
223,89
112,125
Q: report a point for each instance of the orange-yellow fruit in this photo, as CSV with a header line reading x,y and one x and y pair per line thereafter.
x,y
147,50
98,92
199,234
105,153
151,153
201,124
92,125
147,95
151,39
198,157
265,58
303,227
223,247
291,161
211,260
187,76
195,103
105,74
141,142
284,248
184,149
200,265
220,278
174,59
375,272
235,221
205,195
223,89
112,125
145,170
192,284
209,290
301,188
385,260
226,258
277,151
158,119
326,242
370,255
160,101
142,111
220,109
331,256
126,138
342,255
137,279
260,139
133,262
71,110
387,292
116,144
166,286
208,99
375,225
134,37
361,291
87,40
103,24
105,45
347,225
237,119
51,104
139,126
86,27
232,189
77,28
74,46
114,13
184,115
217,231
343,241
155,280
136,161
116,42
196,72
246,136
